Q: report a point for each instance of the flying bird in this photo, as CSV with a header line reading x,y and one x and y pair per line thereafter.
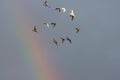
x,y
34,29
77,30
46,4
55,41
72,15
62,40
58,9
69,39
53,24
47,25
61,9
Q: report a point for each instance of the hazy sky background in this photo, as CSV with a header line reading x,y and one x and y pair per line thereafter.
x,y
94,53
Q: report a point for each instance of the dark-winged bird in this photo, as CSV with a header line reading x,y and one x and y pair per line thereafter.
x,y
72,15
58,9
62,40
34,29
55,41
61,9
53,24
77,30
46,4
69,39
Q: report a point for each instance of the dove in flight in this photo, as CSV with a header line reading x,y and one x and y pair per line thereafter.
x,y
77,29
55,41
47,25
34,29
61,9
53,24
63,39
72,15
69,39
46,4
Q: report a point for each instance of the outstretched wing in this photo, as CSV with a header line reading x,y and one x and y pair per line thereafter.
x,y
57,9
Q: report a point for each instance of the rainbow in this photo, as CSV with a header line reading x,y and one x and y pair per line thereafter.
x,y
43,68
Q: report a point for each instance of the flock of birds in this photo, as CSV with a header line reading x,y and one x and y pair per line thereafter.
x,y
53,24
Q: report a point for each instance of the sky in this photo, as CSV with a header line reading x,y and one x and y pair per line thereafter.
x,y
93,54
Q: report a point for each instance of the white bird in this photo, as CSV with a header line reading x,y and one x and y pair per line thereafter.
x,y
72,15
47,25
55,41
63,10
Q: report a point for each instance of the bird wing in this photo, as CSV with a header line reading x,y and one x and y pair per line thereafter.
x,y
63,10
54,24
34,29
72,17
48,25
57,9
69,40
63,40
45,2
55,41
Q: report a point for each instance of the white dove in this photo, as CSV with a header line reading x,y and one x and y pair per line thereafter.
x,y
47,25
63,10
72,15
